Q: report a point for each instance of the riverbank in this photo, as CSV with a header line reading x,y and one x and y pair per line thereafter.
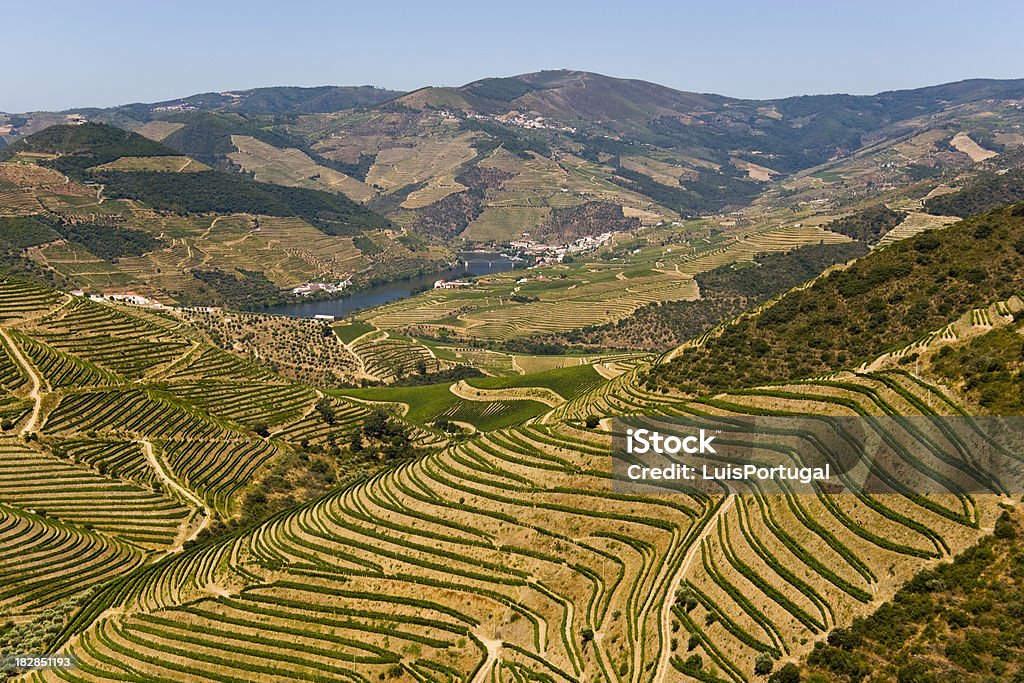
x,y
475,263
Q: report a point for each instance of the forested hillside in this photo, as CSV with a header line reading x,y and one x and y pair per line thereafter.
x,y
78,148
867,225
220,192
725,292
961,620
884,301
981,194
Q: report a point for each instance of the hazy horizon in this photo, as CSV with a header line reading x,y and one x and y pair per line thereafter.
x,y
110,53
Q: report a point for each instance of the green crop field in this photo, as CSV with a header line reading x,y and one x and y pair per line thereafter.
x,y
567,382
427,404
349,332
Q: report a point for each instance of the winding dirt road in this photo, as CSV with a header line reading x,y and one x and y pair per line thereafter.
x,y
158,467
493,652
666,607
37,382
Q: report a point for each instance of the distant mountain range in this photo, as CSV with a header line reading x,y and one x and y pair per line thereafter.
x,y
263,101
498,158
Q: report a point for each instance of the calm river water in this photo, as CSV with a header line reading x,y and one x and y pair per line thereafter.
x,y
476,263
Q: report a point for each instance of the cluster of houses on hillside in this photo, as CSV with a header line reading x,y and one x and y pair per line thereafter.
x,y
134,299
307,288
523,120
180,106
139,300
546,254
451,284
121,298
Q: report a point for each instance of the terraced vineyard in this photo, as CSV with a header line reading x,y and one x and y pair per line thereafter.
x,y
182,248
487,313
123,437
120,509
424,491
501,552
508,554
503,557
387,357
45,561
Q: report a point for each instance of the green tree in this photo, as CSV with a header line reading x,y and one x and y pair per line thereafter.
x,y
787,674
686,597
326,409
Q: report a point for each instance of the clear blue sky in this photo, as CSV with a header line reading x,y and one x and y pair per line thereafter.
x,y
58,54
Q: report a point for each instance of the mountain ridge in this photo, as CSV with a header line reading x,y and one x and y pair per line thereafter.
x,y
214,99
304,99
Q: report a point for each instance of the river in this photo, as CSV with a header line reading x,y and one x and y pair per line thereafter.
x,y
477,263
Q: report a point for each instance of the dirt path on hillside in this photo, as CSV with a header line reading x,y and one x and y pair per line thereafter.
x,y
608,370
350,346
396,406
158,467
35,395
548,397
493,656
213,224
666,607
963,329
